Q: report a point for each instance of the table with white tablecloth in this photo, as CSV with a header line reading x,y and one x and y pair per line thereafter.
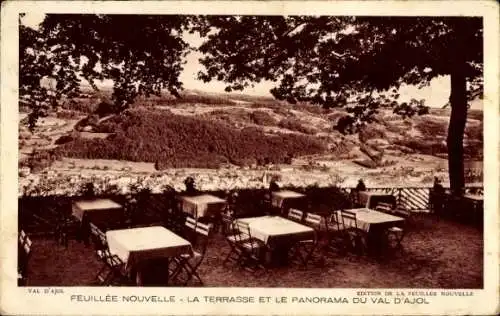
x,y
276,230
279,198
367,218
370,199
103,213
373,223
202,205
101,208
279,234
474,197
135,246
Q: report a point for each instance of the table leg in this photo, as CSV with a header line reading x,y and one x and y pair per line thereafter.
x,y
168,272
138,277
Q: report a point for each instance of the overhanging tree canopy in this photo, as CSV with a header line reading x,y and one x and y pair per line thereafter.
x,y
326,60
141,54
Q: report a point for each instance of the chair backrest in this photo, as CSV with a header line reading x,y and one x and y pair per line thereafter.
x,y
242,230
335,221
191,223
189,229
384,207
203,229
93,229
28,241
27,249
295,214
98,237
22,236
24,255
227,223
401,211
313,220
348,219
102,237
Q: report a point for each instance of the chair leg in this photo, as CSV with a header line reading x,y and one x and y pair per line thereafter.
x,y
191,272
229,256
103,275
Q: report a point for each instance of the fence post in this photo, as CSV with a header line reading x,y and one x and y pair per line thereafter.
x,y
429,203
399,197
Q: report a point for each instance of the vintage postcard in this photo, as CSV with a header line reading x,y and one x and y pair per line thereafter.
x,y
249,157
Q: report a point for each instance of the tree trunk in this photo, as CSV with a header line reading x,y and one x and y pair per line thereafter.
x,y
456,129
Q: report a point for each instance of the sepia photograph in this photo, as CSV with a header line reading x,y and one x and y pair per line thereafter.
x,y
313,151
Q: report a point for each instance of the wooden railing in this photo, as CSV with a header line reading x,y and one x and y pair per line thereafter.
x,y
414,198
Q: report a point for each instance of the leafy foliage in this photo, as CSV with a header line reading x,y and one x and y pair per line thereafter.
x,y
294,124
41,159
328,59
262,118
141,54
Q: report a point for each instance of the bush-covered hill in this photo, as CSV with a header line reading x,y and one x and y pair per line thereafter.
x,y
179,141
208,129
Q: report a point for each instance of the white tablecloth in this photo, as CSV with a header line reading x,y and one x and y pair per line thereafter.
x,y
474,197
202,205
279,197
366,198
274,229
137,244
80,207
367,217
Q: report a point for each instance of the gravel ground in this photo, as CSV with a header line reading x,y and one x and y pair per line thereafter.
x,y
437,254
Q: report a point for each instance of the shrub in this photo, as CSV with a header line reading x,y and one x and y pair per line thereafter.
x,y
67,115
335,116
474,131
370,132
423,146
80,105
41,159
431,128
63,139
283,111
262,118
295,125
194,98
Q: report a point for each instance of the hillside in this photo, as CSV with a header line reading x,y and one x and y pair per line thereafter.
x,y
220,131
173,141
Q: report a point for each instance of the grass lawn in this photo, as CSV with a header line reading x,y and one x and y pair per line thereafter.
x,y
437,253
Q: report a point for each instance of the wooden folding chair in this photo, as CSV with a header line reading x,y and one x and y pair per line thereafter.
x,y
251,249
295,215
66,228
189,231
189,263
234,239
227,224
24,255
396,234
303,250
334,230
355,237
112,268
